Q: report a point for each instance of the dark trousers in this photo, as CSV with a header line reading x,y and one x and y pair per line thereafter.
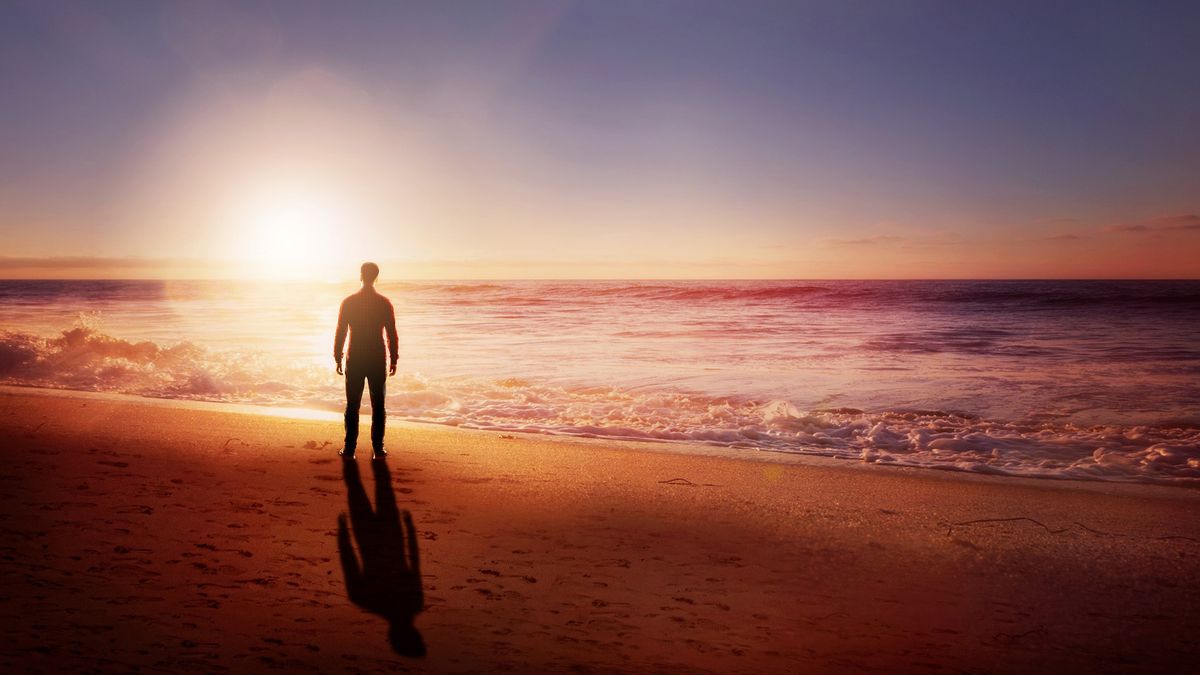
x,y
374,375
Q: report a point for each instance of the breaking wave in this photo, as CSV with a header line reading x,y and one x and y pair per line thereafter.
x,y
85,359
1038,446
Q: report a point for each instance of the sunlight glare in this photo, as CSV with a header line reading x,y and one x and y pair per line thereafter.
x,y
290,232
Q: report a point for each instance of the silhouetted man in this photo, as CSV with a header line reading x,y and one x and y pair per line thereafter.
x,y
368,315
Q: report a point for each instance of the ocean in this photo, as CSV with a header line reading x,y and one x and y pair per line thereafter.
x,y
1063,379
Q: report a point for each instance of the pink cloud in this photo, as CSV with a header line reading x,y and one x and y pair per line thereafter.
x,y
1184,222
869,241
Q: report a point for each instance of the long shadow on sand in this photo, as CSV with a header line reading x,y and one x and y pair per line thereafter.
x,y
388,582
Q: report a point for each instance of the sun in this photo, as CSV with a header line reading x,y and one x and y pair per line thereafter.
x,y
287,232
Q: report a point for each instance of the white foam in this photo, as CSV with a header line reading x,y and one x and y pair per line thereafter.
x,y
82,358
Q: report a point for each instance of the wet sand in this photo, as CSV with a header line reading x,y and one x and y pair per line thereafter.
x,y
145,536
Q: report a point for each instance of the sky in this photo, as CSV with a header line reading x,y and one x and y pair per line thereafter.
x,y
605,139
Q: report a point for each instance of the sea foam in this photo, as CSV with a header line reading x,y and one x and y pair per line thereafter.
x,y
81,358
1094,380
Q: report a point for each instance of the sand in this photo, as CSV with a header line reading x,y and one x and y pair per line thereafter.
x,y
139,536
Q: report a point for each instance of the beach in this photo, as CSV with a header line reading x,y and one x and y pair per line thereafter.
x,y
152,536
709,337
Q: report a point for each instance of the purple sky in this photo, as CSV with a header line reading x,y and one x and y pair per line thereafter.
x,y
794,139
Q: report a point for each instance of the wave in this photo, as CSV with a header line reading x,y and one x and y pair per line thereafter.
x,y
980,340
1039,445
964,296
679,291
923,438
968,298
83,358
1061,295
726,292
974,340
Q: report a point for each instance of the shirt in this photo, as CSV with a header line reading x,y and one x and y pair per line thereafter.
x,y
367,315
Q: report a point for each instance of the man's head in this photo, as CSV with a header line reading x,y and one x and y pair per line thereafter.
x,y
369,273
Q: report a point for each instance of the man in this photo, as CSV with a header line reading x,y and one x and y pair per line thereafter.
x,y
367,315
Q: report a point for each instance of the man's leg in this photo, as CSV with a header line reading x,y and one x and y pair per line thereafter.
x,y
377,379
354,392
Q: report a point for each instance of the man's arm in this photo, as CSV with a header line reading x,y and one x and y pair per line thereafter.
x,y
393,339
339,339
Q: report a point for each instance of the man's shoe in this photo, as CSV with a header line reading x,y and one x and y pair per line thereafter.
x,y
346,453
379,453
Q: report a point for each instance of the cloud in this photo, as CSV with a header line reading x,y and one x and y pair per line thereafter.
x,y
1063,237
913,238
92,267
74,262
1184,222
871,241
1187,221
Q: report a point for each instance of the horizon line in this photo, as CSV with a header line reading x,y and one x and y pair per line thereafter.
x,y
586,279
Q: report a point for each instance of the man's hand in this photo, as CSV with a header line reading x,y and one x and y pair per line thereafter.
x,y
392,369
339,366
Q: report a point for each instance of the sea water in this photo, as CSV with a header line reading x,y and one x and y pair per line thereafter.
x,y
1072,379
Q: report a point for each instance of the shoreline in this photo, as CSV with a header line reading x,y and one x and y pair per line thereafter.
x,y
692,448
